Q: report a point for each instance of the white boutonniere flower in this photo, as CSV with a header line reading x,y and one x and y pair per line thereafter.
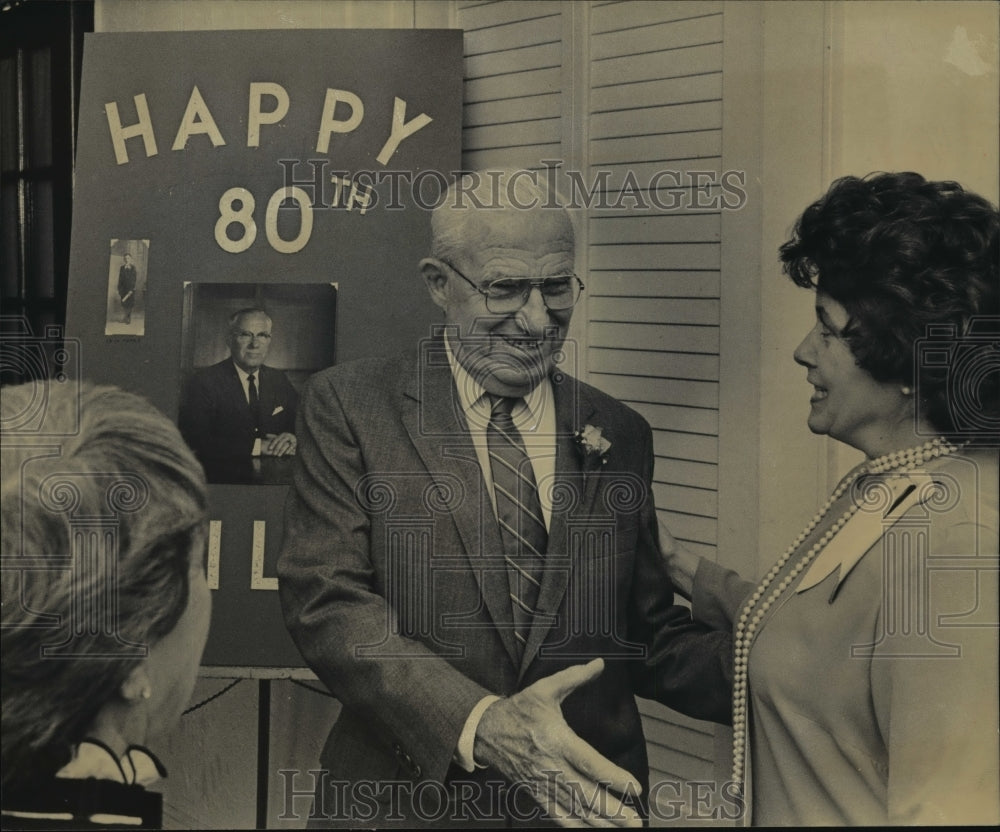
x,y
593,444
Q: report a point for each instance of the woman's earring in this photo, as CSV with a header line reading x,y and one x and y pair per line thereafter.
x,y
906,390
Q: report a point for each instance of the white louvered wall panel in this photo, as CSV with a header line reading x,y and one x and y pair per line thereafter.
x,y
513,72
655,104
653,92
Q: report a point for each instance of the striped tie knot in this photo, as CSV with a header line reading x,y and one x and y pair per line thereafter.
x,y
502,407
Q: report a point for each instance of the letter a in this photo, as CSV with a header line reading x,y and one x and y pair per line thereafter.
x,y
197,119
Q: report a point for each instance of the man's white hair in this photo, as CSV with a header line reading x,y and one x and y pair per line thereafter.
x,y
478,192
240,314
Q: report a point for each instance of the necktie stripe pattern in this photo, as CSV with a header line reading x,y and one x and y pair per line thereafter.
x,y
522,572
533,516
519,514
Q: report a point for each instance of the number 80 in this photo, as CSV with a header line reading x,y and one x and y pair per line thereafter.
x,y
243,216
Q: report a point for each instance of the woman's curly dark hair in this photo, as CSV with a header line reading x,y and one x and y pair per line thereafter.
x,y
914,263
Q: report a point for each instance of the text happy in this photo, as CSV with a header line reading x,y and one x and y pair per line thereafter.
x,y
198,120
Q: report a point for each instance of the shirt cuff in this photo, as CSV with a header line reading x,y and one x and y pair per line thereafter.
x,y
717,595
464,753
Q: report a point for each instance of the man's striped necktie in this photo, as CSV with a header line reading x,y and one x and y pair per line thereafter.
x,y
519,512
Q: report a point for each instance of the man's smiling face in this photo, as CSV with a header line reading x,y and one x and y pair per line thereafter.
x,y
509,354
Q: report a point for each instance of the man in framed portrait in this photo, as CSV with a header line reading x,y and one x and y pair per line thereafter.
x,y
239,410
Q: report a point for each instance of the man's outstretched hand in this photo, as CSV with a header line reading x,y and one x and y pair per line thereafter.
x,y
526,739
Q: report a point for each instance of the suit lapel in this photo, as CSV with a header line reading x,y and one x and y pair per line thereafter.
x,y
269,386
266,392
573,410
437,428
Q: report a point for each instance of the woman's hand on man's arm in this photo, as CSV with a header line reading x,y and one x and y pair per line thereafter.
x,y
682,564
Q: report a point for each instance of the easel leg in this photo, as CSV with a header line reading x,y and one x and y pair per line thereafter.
x,y
263,748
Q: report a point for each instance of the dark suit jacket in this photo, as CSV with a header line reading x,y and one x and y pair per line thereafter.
x,y
394,588
126,284
215,418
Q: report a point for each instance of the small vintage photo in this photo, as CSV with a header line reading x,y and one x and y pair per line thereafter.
x,y
127,276
246,351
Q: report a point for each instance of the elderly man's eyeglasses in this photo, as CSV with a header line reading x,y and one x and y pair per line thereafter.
x,y
508,294
245,337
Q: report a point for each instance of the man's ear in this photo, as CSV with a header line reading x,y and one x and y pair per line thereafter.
x,y
436,278
137,684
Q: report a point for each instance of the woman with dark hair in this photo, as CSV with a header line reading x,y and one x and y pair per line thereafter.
x,y
105,603
865,660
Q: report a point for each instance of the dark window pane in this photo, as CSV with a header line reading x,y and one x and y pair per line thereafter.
x,y
8,113
8,228
41,272
38,107
41,48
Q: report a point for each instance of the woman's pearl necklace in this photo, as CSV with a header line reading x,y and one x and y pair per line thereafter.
x,y
749,621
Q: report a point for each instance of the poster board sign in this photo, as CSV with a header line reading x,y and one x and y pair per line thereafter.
x,y
289,171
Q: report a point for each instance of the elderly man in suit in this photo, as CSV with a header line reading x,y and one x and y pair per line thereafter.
x,y
470,560
239,409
